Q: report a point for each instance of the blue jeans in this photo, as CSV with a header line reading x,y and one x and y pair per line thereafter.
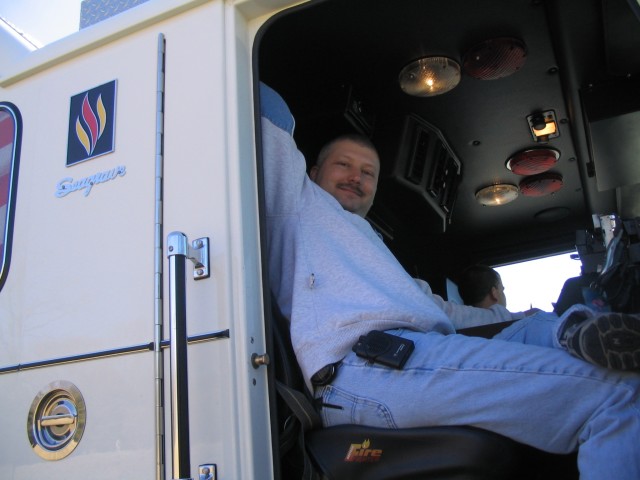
x,y
520,384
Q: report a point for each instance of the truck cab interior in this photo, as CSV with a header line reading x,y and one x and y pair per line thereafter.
x,y
505,128
471,174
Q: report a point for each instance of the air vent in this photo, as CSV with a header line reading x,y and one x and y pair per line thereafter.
x,y
442,183
418,160
427,165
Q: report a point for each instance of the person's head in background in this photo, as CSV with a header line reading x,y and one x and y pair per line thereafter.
x,y
481,286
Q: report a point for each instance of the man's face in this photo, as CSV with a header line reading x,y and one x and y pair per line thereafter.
x,y
502,298
349,173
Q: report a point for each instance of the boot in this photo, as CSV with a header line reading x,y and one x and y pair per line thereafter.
x,y
611,340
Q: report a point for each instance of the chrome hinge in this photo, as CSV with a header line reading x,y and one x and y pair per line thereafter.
x,y
196,251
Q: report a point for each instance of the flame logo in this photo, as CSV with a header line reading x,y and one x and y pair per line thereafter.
x,y
92,116
361,452
95,122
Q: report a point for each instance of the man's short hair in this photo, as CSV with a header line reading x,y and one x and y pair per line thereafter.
x,y
475,282
353,137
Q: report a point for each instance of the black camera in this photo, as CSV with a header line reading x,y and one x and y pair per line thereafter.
x,y
384,348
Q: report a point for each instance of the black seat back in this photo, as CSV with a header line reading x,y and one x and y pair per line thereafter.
x,y
293,457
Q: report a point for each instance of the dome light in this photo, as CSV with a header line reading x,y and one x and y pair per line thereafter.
x,y
429,76
496,195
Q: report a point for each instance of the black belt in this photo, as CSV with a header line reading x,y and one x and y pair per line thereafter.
x,y
325,375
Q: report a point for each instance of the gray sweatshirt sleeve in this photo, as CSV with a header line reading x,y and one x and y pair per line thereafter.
x,y
284,166
464,316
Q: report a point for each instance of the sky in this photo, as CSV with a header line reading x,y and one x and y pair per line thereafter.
x,y
43,21
537,283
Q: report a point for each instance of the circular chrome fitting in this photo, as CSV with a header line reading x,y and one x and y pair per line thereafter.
x,y
56,421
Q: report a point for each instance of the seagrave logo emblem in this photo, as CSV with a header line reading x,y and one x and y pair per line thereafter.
x,y
95,122
361,452
91,123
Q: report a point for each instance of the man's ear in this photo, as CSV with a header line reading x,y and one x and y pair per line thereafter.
x,y
495,294
313,172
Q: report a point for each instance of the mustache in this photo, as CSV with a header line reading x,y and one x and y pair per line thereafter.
x,y
352,187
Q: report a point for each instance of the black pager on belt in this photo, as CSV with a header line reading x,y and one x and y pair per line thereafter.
x,y
384,348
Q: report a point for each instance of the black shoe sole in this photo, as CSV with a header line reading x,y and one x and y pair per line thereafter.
x,y
610,340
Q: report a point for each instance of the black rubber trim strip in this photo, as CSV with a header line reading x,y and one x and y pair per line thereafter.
x,y
110,353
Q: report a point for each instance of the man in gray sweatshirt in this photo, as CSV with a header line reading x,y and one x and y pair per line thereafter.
x,y
335,280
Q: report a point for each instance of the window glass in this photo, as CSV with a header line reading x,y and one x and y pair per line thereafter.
x,y
537,283
10,130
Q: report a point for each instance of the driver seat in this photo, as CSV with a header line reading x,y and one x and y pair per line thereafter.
x,y
353,452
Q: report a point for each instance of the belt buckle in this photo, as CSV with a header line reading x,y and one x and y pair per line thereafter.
x,y
325,375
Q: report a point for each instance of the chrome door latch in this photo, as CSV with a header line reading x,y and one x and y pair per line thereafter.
x,y
196,251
